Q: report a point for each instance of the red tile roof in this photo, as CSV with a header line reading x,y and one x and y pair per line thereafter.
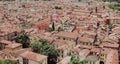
x,y
86,39
13,45
43,24
112,57
5,42
68,35
33,56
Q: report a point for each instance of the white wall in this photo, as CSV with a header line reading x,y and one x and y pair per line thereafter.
x,y
20,60
32,62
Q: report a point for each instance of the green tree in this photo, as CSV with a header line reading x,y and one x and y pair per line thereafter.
x,y
74,60
36,46
114,6
22,38
43,41
51,52
42,46
8,62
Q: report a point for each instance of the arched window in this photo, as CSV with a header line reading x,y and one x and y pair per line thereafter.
x,y
101,62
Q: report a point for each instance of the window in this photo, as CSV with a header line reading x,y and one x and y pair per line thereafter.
x,y
2,46
90,43
101,62
90,62
41,63
58,37
25,61
62,54
63,38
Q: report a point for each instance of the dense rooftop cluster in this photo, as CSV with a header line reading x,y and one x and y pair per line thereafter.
x,y
59,32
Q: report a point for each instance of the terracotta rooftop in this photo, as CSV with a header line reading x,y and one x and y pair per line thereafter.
x,y
18,52
33,56
96,50
43,24
13,45
68,35
65,60
105,50
5,42
80,47
1,54
111,45
118,18
112,57
63,42
90,33
84,52
86,39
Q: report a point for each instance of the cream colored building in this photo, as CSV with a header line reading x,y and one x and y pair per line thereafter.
x,y
29,57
